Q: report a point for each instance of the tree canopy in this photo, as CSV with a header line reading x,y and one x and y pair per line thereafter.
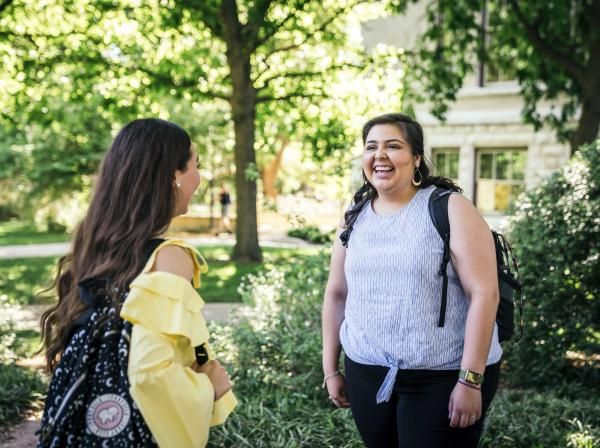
x,y
551,47
268,67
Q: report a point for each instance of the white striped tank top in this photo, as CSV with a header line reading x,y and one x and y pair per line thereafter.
x,y
394,295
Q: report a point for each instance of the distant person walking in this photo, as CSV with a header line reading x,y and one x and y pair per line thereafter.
x,y
225,201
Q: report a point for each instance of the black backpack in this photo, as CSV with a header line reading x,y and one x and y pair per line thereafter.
x,y
509,284
88,402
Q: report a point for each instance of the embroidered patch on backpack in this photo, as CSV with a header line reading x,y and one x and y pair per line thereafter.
x,y
108,415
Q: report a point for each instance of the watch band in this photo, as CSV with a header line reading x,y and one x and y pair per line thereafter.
x,y
471,376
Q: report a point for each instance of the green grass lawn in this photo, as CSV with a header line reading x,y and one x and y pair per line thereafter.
x,y
221,281
21,279
18,232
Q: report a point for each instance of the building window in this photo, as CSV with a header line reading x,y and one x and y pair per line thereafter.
x,y
445,163
500,178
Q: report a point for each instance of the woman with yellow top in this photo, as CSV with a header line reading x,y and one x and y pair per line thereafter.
x,y
127,344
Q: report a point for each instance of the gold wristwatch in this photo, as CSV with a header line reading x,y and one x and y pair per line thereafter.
x,y
471,377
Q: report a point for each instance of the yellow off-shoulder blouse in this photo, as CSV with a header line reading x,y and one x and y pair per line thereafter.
x,y
176,402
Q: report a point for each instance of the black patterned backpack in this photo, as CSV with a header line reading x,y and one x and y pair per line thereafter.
x,y
88,403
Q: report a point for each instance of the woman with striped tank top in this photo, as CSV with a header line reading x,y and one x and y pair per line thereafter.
x,y
408,382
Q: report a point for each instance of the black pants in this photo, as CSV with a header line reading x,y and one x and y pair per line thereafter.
x,y
417,414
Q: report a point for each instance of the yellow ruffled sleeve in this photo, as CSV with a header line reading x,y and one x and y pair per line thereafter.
x,y
176,402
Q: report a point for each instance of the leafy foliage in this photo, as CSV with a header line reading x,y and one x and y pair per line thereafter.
x,y
550,47
67,86
525,419
556,235
274,354
312,234
19,387
22,279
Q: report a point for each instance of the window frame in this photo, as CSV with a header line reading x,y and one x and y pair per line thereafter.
x,y
446,151
510,181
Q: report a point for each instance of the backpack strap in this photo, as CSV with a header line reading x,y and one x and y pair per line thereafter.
x,y
151,245
438,212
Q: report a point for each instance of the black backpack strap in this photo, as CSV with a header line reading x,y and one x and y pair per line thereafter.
x,y
438,211
151,245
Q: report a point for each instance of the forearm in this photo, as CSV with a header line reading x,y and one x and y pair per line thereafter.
x,y
332,316
176,402
478,332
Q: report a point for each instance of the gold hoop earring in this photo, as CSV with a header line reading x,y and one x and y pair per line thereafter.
x,y
415,182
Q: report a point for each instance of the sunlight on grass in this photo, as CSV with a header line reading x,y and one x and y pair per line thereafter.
x,y
17,232
21,279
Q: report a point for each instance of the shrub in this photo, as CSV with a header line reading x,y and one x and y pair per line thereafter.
x,y
555,231
312,234
19,388
274,356
529,419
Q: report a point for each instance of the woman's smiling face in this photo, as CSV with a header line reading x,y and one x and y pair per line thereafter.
x,y
388,161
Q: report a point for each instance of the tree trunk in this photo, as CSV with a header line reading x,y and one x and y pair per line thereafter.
x,y
589,120
243,108
269,172
589,123
246,228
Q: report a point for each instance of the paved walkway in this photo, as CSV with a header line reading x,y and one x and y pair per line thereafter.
x,y
58,249
28,317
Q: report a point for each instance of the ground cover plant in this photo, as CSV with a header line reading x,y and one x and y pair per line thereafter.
x,y
20,388
312,234
273,353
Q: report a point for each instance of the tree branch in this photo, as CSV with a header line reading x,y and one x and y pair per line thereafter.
x,y
5,4
209,15
252,28
186,83
307,74
268,98
311,34
308,36
536,39
279,25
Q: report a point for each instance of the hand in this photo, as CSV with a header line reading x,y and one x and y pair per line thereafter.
x,y
336,387
216,374
464,408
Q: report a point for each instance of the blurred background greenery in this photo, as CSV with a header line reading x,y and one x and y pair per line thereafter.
x,y
274,94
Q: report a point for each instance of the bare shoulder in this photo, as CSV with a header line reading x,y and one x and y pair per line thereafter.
x,y
175,260
461,209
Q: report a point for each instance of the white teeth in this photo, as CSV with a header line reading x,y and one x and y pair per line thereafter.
x,y
386,169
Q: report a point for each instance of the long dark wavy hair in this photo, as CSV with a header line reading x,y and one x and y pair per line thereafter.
x,y
413,133
134,200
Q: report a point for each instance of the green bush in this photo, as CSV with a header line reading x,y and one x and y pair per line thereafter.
x,y
274,355
312,234
555,231
20,388
529,419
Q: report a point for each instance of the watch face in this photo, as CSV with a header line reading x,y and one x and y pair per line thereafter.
x,y
472,377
